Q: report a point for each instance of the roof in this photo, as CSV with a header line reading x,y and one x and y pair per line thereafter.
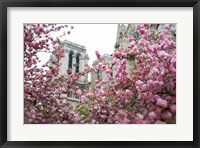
x,y
74,44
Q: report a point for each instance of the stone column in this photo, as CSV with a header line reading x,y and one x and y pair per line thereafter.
x,y
80,64
64,64
73,62
81,68
67,59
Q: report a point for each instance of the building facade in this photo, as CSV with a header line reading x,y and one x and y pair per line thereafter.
x,y
75,58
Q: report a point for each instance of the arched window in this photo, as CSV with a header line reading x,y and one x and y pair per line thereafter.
x,y
70,60
98,74
112,70
77,62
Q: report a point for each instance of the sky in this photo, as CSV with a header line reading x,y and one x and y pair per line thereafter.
x,y
101,37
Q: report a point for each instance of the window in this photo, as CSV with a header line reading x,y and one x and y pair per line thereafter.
x,y
77,97
77,62
112,70
98,74
69,94
70,60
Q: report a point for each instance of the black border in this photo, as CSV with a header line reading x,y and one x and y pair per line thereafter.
x,y
99,3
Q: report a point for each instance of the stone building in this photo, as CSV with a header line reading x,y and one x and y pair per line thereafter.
x,y
123,32
101,75
75,58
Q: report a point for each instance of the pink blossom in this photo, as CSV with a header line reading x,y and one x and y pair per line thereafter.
x,y
89,94
83,99
147,26
128,92
160,122
78,92
166,26
150,49
99,66
103,98
95,107
140,116
173,108
93,121
139,83
134,51
141,42
163,55
152,115
162,103
132,44
108,71
142,31
167,115
130,39
98,55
